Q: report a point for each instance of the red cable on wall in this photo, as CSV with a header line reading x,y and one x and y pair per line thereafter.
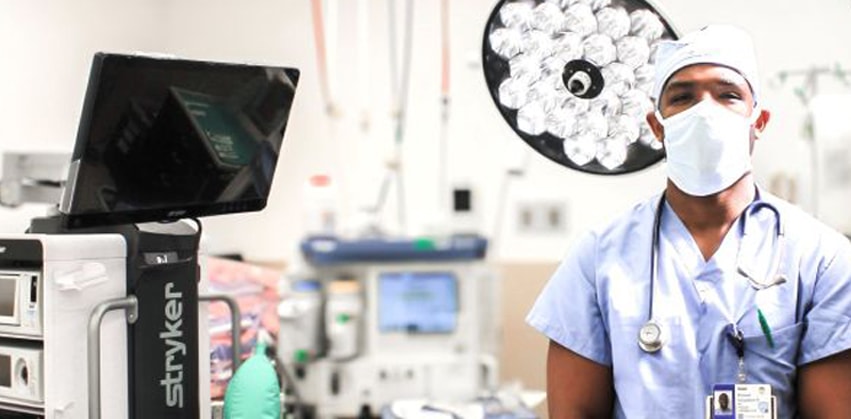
x,y
321,63
444,33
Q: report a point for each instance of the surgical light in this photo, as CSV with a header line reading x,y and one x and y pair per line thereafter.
x,y
572,78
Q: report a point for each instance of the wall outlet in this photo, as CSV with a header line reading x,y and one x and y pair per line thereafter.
x,y
541,217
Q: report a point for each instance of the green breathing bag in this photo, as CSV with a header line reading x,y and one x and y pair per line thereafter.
x,y
254,391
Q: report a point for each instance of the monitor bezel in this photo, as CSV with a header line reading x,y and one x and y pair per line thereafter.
x,y
170,213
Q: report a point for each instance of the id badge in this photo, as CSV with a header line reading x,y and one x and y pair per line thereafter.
x,y
741,401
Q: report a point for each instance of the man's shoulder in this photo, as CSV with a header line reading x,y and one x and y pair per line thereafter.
x,y
798,222
620,233
639,216
804,229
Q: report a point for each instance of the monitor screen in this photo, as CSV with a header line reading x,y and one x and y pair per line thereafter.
x,y
8,295
163,138
5,371
417,302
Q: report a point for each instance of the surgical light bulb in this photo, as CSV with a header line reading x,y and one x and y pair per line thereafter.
x,y
619,77
513,94
516,15
580,149
561,122
545,94
531,119
568,45
538,44
597,4
506,42
608,104
593,123
563,4
553,66
646,24
576,105
580,18
547,17
636,104
599,49
525,68
611,153
624,127
633,51
644,77
613,22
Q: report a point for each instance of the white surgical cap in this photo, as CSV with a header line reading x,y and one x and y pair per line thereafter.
x,y
716,44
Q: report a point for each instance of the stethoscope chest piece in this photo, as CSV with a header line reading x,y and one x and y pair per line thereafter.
x,y
650,337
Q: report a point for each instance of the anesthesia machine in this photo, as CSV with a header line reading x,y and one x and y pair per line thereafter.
x,y
373,321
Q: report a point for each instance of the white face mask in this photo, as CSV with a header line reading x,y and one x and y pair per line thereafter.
x,y
707,147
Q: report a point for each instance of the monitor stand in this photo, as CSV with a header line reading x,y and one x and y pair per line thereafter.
x,y
163,273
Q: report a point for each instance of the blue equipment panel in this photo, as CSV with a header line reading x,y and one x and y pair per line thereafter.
x,y
334,250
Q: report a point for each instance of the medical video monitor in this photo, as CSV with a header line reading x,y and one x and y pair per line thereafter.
x,y
417,302
162,139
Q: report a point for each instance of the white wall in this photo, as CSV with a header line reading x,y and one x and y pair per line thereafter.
x,y
47,46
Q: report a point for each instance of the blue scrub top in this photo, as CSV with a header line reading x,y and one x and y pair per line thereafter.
x,y
598,299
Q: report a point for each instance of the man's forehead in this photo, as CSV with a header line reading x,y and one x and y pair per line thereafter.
x,y
704,73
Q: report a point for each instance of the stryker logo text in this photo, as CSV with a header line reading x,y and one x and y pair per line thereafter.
x,y
174,347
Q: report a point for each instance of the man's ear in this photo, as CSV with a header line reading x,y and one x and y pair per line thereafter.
x,y
761,123
656,126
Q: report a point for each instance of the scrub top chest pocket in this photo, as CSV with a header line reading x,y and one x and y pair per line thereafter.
x,y
661,374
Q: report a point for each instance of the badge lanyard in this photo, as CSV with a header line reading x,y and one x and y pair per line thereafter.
x,y
737,340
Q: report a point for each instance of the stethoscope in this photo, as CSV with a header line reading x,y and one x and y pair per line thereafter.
x,y
651,336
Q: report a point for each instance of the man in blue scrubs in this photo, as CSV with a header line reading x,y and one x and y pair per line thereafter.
x,y
734,302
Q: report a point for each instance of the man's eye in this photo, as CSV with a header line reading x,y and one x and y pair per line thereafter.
x,y
680,98
731,95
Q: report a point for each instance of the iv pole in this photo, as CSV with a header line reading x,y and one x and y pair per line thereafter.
x,y
805,93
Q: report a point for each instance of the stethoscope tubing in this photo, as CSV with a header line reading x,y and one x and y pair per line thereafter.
x,y
756,205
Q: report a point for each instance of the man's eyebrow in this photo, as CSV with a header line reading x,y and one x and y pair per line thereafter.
x,y
729,82
680,84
